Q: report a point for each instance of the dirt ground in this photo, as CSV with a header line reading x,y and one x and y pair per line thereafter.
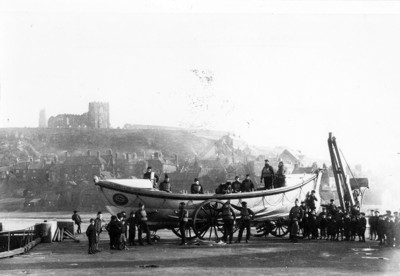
x,y
261,256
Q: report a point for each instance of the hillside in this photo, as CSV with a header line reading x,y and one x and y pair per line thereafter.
x,y
23,142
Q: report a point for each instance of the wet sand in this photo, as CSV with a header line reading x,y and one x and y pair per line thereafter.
x,y
261,256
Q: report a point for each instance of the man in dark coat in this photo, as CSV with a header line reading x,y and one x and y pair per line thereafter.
x,y
313,224
98,227
347,226
381,230
131,223
183,218
196,187
331,208
228,219
267,175
77,219
165,186
246,216
294,217
141,218
310,200
114,231
247,185
362,225
323,223
372,225
390,231
331,227
91,234
152,176
280,177
236,185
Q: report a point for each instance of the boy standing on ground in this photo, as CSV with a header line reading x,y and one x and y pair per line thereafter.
x,y
91,234
97,226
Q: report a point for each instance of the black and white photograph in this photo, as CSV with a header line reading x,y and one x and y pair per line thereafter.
x,y
199,137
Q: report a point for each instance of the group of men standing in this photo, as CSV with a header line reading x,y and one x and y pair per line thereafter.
x,y
122,230
334,224
385,228
271,178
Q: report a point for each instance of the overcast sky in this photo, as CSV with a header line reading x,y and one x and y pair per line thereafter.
x,y
274,72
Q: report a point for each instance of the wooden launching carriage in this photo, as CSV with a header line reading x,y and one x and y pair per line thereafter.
x,y
270,206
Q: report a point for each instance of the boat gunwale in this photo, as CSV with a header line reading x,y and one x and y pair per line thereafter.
x,y
104,184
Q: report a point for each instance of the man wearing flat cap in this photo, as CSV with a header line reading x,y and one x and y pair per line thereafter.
x,y
246,216
267,174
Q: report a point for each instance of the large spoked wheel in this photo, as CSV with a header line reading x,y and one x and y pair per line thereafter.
x,y
153,236
280,227
263,228
189,233
207,220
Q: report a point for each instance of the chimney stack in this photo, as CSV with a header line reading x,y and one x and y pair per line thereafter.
x,y
98,154
66,154
88,153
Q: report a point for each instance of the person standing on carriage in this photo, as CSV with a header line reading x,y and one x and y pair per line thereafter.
x,y
183,218
310,200
236,185
141,218
196,187
294,217
331,208
228,218
280,179
247,185
267,174
152,176
247,215
165,186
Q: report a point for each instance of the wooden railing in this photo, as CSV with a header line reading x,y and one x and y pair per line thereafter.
x,y
17,241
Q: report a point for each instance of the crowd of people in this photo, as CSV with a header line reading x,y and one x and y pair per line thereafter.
x,y
333,224
270,178
121,229
330,224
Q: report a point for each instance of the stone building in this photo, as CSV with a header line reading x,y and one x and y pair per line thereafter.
x,y
98,116
42,118
68,121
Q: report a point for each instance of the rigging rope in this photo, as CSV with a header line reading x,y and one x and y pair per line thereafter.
x,y
349,169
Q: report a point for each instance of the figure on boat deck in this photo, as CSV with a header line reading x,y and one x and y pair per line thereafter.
x,y
196,187
152,176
